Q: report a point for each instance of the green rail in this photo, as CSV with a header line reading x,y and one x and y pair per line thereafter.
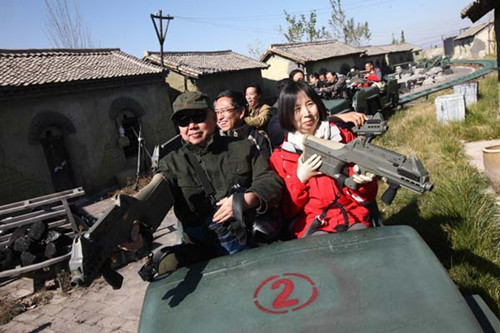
x,y
488,66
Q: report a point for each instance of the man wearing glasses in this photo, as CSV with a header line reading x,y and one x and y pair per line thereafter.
x,y
230,112
241,180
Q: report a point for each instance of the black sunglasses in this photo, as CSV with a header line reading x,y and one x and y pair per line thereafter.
x,y
196,117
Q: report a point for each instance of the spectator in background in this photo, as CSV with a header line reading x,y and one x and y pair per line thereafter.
x,y
230,110
315,82
372,74
296,75
335,85
258,113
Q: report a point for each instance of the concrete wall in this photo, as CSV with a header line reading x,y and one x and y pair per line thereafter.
x,y
94,152
213,84
279,69
476,47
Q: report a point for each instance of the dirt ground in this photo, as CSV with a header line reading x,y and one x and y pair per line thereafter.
x,y
98,308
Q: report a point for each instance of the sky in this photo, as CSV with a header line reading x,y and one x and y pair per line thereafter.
x,y
209,25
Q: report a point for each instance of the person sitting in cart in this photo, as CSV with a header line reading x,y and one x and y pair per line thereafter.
x,y
212,179
313,200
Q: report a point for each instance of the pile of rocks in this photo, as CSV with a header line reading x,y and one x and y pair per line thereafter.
x,y
410,78
31,244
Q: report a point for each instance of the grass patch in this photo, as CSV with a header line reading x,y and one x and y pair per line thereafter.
x,y
459,219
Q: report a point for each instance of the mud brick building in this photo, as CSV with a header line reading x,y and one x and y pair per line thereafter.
x,y
67,118
210,72
386,57
311,57
475,42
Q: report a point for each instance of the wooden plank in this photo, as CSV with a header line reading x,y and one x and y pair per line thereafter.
x,y
32,220
41,201
21,270
71,219
60,224
29,215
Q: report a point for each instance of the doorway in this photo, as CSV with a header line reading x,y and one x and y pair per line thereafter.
x,y
57,159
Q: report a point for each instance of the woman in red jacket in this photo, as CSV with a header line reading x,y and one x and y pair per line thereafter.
x,y
313,200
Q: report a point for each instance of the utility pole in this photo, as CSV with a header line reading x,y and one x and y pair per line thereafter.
x,y
160,33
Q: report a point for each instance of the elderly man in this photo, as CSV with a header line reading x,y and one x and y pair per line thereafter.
x,y
230,111
214,181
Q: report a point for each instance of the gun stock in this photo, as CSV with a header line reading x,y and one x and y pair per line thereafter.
x,y
92,249
398,169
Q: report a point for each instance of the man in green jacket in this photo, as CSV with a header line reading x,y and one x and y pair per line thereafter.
x,y
240,180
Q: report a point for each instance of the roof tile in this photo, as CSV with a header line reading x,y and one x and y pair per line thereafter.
x,y
204,62
311,51
372,50
37,67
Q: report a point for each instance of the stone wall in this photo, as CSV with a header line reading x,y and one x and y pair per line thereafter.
x,y
214,83
90,135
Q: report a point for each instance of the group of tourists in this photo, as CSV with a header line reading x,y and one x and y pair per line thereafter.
x,y
240,180
332,85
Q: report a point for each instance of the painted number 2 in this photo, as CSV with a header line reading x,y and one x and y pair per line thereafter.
x,y
274,294
282,300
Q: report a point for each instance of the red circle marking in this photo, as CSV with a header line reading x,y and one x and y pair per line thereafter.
x,y
285,302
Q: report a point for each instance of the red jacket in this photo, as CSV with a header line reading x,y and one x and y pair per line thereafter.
x,y
306,201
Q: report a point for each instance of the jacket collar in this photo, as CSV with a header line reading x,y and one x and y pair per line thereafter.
x,y
240,132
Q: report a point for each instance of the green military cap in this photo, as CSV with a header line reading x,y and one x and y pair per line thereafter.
x,y
191,100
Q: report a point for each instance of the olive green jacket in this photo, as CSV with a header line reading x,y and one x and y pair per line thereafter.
x,y
227,161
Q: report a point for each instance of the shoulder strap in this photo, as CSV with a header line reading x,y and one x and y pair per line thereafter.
x,y
205,182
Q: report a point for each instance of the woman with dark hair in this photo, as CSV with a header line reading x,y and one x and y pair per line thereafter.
x,y
310,194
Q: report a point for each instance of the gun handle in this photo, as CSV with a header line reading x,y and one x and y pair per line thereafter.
x,y
112,277
391,192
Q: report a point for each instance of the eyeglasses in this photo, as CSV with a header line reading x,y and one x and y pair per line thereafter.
x,y
224,111
185,119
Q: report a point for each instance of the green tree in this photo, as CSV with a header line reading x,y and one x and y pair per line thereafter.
x,y
402,39
346,29
300,28
394,40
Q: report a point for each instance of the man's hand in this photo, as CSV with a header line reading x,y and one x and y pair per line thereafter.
x,y
307,169
225,211
136,239
354,117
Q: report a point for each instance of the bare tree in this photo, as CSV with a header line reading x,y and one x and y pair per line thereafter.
x,y
256,49
64,25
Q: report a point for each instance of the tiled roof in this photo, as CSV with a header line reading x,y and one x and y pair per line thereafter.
x,y
195,64
478,9
372,50
311,51
20,68
473,30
